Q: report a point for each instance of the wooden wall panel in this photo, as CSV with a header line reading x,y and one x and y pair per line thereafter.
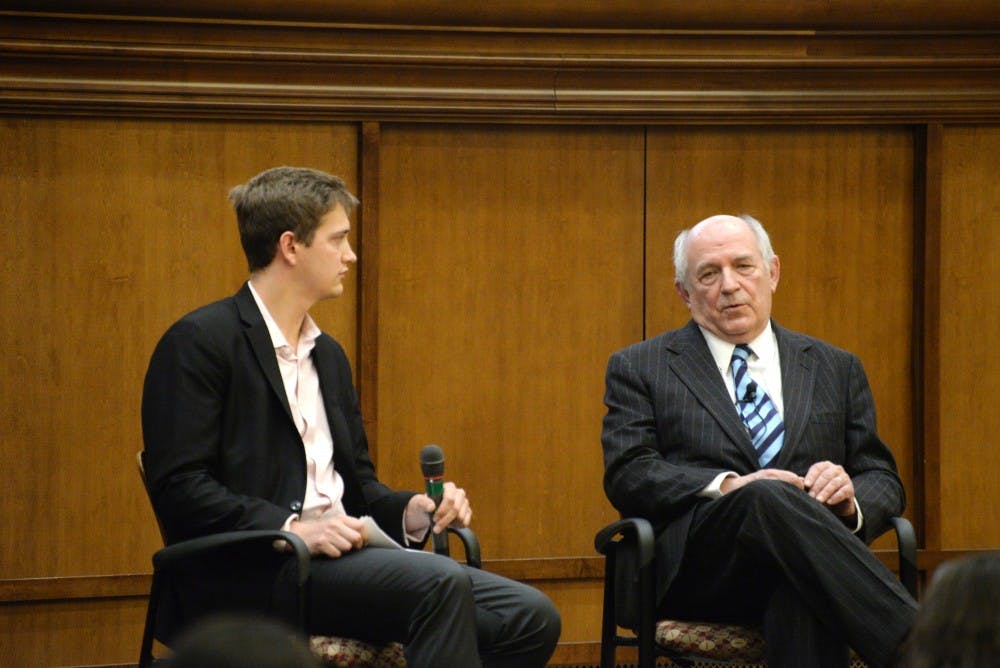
x,y
114,229
970,367
510,268
579,602
71,633
837,203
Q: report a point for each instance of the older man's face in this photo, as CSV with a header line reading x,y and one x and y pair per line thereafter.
x,y
728,285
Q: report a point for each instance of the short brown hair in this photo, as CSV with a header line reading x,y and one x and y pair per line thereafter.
x,y
285,199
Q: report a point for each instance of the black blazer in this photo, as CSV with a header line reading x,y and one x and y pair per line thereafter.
x,y
222,450
671,427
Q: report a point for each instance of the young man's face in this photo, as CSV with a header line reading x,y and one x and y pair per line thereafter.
x,y
324,262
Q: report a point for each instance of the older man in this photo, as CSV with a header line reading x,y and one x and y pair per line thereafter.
x,y
753,451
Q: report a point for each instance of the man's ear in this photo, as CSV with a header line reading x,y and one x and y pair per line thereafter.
x,y
684,294
287,250
775,273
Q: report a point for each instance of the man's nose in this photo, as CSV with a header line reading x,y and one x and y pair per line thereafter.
x,y
729,282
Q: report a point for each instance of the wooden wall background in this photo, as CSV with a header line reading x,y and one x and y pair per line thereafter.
x,y
523,170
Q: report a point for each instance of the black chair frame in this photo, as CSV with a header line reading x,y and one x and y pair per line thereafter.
x,y
176,557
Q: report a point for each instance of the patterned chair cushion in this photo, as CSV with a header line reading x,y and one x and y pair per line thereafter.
x,y
721,642
348,653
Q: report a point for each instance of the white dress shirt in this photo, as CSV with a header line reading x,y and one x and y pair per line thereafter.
x,y
324,487
324,491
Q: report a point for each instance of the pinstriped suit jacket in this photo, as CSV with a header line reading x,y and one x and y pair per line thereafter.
x,y
671,427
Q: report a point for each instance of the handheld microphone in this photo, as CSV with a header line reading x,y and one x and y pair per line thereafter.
x,y
751,393
432,468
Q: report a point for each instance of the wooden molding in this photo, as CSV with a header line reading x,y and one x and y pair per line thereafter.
x,y
563,14
130,585
196,63
553,568
585,654
77,587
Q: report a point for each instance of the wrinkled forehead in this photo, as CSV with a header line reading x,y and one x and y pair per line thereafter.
x,y
721,234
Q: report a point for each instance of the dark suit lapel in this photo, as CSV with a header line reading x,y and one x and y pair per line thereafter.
x,y
797,379
260,342
695,367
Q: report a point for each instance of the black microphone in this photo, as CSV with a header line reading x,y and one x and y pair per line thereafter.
x,y
751,394
432,468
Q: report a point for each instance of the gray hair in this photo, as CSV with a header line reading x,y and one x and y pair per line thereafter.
x,y
680,247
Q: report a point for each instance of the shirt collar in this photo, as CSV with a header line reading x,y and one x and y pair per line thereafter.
x,y
307,334
764,347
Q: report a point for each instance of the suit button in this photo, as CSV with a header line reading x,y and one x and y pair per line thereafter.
x,y
296,506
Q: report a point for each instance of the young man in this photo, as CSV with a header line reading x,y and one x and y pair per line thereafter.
x,y
251,421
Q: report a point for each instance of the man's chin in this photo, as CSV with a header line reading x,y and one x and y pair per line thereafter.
x,y
335,291
739,330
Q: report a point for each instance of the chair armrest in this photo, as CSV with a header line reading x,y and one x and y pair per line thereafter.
x,y
471,545
608,538
633,538
175,560
906,540
169,556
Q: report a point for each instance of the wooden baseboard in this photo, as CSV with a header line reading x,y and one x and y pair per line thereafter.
x,y
130,585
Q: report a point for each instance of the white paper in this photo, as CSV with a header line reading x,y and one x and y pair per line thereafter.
x,y
377,537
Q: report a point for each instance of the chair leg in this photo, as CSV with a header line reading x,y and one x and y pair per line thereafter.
x,y
647,658
647,625
608,628
146,651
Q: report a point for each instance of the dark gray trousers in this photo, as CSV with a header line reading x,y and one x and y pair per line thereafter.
x,y
448,615
768,554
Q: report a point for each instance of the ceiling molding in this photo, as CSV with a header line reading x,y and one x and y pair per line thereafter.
x,y
207,68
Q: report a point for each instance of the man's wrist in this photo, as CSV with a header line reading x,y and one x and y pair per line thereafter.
x,y
726,484
714,489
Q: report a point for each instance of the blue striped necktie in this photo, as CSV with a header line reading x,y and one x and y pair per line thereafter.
x,y
760,416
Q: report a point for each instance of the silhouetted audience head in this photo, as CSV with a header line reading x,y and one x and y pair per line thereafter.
x,y
241,641
958,625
